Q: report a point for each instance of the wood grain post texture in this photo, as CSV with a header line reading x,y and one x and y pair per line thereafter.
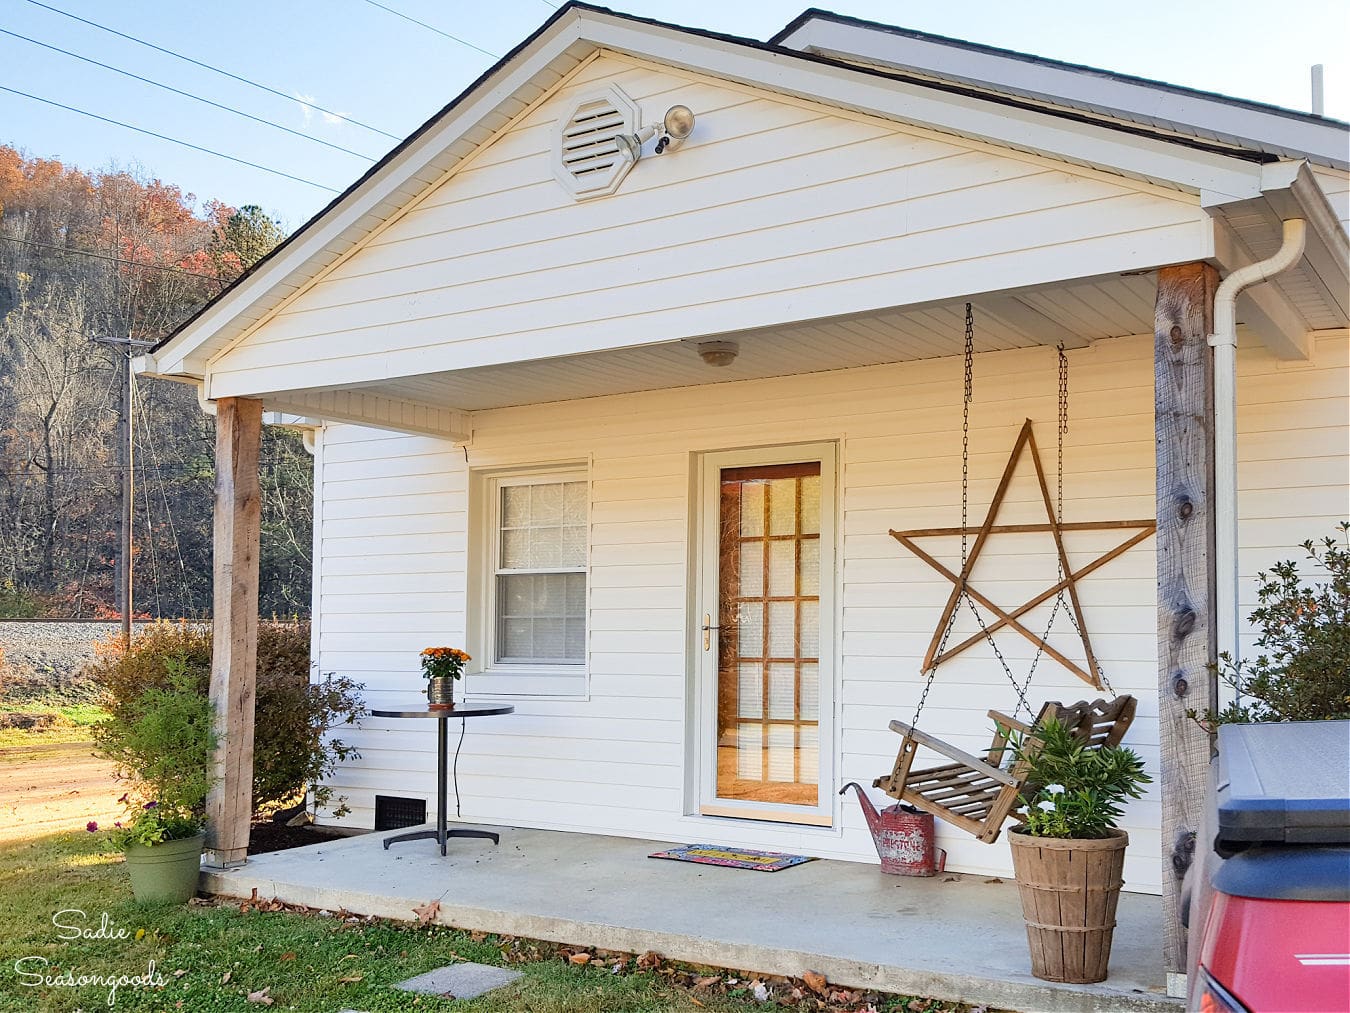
x,y
1187,631
234,656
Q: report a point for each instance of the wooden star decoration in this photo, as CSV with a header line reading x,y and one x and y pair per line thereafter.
x,y
1067,583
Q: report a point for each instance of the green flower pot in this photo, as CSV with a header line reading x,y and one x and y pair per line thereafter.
x,y
165,873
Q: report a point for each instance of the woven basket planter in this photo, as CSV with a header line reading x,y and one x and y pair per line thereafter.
x,y
1069,890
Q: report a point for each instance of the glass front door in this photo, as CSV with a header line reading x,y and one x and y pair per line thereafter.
x,y
763,651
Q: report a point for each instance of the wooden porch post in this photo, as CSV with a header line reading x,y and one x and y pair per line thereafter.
x,y
1187,630
234,656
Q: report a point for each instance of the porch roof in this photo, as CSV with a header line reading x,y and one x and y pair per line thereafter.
x,y
1219,174
1205,117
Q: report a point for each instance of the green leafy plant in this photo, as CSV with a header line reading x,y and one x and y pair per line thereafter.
x,y
1084,786
162,741
294,747
1303,670
150,823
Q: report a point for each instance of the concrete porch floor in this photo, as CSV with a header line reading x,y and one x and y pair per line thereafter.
x,y
959,940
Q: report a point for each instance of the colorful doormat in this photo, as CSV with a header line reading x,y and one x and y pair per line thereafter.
x,y
733,858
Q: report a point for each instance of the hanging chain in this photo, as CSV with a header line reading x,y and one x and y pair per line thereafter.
x,y
969,391
1059,508
1063,429
965,435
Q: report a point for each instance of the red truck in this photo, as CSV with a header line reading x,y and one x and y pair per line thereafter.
x,y
1269,906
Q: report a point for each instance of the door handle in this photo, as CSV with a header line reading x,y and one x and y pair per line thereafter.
x,y
707,631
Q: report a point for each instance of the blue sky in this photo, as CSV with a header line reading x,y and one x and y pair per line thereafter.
x,y
352,57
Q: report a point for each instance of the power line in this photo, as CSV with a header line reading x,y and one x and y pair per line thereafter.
x,y
214,70
430,28
171,140
187,94
115,260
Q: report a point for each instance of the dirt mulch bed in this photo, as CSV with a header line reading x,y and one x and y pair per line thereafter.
x,y
265,836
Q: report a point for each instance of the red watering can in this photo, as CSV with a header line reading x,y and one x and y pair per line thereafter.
x,y
903,836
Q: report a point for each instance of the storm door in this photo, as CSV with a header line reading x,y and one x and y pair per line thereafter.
x,y
764,635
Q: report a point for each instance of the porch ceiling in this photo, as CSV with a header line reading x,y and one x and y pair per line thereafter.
x,y
1076,313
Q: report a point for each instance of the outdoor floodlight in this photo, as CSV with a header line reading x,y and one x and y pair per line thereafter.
x,y
677,125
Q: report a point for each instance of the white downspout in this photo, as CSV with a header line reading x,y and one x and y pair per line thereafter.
x,y
1224,343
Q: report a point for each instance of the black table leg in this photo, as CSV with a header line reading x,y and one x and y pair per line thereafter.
x,y
441,739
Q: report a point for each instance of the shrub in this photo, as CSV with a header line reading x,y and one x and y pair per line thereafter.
x,y
292,747
17,604
1303,670
162,740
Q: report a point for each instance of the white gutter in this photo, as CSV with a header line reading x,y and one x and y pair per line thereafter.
x,y
1224,343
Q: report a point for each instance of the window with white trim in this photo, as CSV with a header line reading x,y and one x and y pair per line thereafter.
x,y
537,563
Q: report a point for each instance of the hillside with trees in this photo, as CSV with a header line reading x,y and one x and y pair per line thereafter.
x,y
84,255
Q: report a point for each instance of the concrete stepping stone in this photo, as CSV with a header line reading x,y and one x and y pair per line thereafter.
x,y
463,981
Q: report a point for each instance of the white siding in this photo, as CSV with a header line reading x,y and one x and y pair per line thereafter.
x,y
776,210
394,517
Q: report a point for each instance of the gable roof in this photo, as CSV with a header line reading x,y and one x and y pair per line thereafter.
x,y
528,74
1186,112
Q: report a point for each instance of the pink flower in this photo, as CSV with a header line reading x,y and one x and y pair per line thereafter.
x,y
118,824
91,826
123,799
149,805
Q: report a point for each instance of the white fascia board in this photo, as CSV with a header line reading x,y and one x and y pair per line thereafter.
x,y
1325,142
184,354
979,118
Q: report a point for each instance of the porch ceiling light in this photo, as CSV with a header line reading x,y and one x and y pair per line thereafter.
x,y
718,353
677,125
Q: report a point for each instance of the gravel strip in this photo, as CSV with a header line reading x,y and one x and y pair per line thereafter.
x,y
43,660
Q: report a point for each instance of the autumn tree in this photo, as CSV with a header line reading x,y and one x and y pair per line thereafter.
x,y
115,253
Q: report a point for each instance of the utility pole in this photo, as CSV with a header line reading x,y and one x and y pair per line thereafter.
x,y
126,460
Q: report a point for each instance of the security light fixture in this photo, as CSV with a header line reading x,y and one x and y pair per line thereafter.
x,y
677,125
718,353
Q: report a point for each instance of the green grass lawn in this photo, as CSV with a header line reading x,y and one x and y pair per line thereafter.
x,y
72,723
212,957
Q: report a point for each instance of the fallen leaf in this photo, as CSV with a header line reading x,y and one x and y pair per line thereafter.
x,y
179,973
580,958
695,1001
478,937
261,997
427,912
351,979
814,981
649,960
287,956
225,978
993,879
712,979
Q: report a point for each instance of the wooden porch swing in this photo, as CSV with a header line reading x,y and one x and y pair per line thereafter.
x,y
978,794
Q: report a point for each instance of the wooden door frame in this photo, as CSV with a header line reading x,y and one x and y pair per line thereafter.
x,y
705,564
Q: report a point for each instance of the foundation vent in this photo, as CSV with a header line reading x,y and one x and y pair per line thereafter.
x,y
394,813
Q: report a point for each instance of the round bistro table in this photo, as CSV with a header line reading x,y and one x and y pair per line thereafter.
x,y
440,835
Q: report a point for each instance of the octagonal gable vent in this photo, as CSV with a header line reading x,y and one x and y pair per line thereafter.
x,y
587,160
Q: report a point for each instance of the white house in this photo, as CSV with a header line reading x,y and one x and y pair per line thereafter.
x,y
679,571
